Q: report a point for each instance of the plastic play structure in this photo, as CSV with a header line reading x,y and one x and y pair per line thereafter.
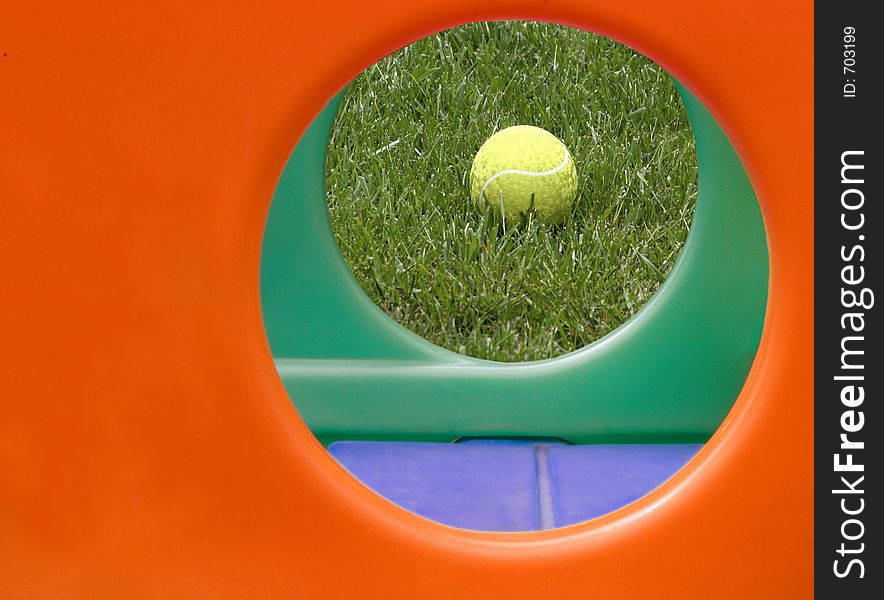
x,y
670,374
154,444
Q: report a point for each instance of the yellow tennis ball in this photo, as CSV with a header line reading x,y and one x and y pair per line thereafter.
x,y
523,166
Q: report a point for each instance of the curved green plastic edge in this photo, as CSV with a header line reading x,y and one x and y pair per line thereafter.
x,y
671,373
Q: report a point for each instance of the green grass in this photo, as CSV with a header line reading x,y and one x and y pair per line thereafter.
x,y
398,191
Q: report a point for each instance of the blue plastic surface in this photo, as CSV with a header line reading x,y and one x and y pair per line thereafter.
x,y
488,487
590,481
511,485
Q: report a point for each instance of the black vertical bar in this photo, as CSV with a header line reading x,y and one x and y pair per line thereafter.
x,y
849,439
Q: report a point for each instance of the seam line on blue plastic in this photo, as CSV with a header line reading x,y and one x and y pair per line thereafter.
x,y
546,515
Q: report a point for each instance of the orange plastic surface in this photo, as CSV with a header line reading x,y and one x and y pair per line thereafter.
x,y
147,447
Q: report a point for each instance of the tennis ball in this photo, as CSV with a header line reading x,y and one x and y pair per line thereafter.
x,y
521,166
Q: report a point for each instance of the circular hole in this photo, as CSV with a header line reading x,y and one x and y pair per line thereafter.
x,y
397,181
507,444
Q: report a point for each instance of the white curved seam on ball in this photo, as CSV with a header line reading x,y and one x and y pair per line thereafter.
x,y
529,173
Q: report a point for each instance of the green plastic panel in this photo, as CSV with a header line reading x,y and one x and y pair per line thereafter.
x,y
670,373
